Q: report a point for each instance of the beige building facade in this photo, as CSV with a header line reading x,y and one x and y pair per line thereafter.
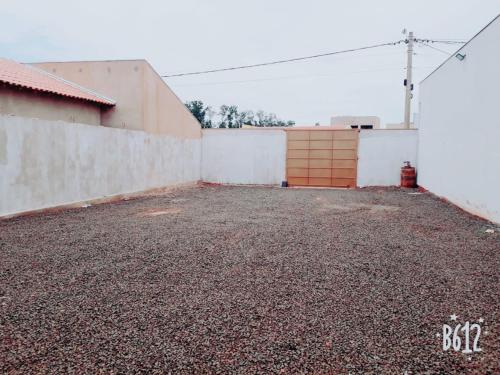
x,y
355,122
26,91
143,99
26,103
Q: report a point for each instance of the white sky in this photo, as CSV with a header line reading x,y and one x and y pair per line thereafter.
x,y
187,35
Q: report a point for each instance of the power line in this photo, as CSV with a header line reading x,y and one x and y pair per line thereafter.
x,y
435,48
440,41
392,67
281,61
196,84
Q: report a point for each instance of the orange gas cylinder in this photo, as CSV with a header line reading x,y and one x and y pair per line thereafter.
x,y
408,176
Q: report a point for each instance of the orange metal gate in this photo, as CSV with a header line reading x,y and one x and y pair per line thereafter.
x,y
322,157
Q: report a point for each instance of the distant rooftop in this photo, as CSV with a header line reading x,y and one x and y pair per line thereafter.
x,y
29,77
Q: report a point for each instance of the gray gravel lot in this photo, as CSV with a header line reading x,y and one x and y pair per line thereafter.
x,y
219,279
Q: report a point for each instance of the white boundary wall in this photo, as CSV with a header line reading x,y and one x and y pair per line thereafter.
x,y
381,154
459,147
258,156
46,163
243,156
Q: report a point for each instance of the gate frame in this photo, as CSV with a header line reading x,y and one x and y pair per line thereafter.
x,y
324,128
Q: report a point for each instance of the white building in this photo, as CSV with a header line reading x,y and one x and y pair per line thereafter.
x,y
401,125
355,122
459,140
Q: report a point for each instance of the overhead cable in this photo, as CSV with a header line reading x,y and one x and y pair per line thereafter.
x,y
435,48
440,41
282,61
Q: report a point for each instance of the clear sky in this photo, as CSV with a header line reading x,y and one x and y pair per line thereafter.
x,y
187,35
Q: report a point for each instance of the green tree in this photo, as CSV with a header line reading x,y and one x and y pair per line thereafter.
x,y
200,111
264,119
223,114
244,118
229,116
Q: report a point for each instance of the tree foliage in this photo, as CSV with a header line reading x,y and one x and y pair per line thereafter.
x,y
229,116
201,112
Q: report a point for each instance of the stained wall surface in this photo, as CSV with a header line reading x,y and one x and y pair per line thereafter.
x,y
48,163
243,156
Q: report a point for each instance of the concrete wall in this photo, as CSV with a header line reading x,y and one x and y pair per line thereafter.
x,y
46,163
143,99
248,156
459,146
29,103
243,156
381,154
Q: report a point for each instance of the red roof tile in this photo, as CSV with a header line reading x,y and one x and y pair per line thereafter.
x,y
30,77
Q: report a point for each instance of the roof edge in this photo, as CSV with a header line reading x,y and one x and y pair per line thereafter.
x,y
82,61
454,53
73,84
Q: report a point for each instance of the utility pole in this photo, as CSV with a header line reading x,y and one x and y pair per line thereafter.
x,y
408,83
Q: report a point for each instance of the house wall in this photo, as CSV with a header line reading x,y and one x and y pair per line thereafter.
x,y
143,99
120,80
243,156
459,146
381,154
48,163
164,112
29,103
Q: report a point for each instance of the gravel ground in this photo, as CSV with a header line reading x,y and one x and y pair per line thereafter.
x,y
248,280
